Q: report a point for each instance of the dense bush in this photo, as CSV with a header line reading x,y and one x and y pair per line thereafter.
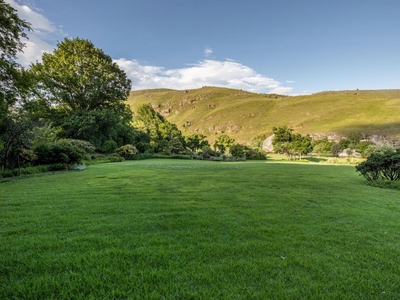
x,y
242,151
126,151
32,170
383,165
61,151
109,146
84,145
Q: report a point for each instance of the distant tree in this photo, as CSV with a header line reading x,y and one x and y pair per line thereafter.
x,y
344,144
354,139
292,145
196,141
83,91
257,142
223,142
322,146
302,145
238,150
363,148
335,149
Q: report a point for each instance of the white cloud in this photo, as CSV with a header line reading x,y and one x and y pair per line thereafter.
x,y
42,39
204,73
290,81
33,51
208,51
38,21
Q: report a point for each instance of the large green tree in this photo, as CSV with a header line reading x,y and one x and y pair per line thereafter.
x,y
196,141
293,145
14,81
223,142
80,89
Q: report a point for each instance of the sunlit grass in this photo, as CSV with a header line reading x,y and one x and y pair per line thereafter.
x,y
172,229
243,115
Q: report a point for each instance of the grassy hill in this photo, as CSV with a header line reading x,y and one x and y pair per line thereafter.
x,y
244,115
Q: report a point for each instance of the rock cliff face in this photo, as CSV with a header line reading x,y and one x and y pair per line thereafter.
x,y
267,144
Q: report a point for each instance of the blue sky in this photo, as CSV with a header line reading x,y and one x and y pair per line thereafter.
x,y
284,46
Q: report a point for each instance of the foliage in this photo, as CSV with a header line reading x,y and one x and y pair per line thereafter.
x,y
206,152
164,136
78,76
384,165
16,136
14,81
354,138
196,141
323,146
294,146
237,150
257,154
109,146
32,170
47,133
62,151
27,156
84,145
97,126
246,152
344,144
12,78
126,150
257,142
364,148
223,142
80,89
344,161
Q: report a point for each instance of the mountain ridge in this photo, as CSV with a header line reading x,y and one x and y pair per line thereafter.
x,y
244,115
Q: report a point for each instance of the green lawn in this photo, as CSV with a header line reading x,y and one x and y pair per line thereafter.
x,y
176,229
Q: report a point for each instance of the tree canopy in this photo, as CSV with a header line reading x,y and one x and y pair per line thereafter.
x,y
79,76
164,136
291,144
80,89
14,81
223,142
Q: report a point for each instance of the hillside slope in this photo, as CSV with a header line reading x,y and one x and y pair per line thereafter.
x,y
244,115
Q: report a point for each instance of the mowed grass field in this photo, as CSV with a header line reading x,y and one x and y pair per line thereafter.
x,y
177,229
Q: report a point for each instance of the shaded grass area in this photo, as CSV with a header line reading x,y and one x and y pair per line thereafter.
x,y
174,229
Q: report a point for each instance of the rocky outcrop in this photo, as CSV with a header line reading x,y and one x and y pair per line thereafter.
x,y
267,144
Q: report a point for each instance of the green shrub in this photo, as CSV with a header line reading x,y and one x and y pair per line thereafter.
x,y
345,161
385,165
237,150
114,157
126,151
86,146
27,156
109,146
33,170
61,151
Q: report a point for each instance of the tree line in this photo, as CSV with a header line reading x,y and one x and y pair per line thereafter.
x,y
71,105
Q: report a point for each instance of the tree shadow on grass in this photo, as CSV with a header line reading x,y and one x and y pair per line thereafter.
x,y
315,159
